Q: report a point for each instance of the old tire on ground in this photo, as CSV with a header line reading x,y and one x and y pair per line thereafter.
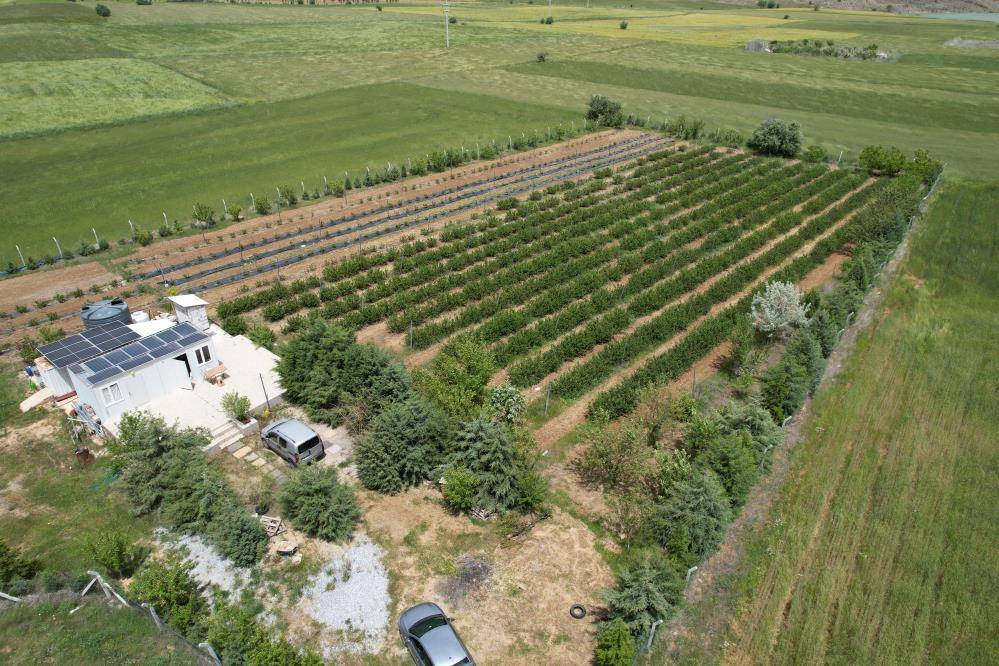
x,y
577,611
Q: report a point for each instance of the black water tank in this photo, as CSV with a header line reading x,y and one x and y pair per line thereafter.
x,y
102,313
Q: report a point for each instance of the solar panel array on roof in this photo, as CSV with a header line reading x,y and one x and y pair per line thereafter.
x,y
119,361
88,344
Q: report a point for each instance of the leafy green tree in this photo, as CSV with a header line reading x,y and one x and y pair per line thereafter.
x,y
460,489
102,11
776,137
316,502
167,586
701,506
406,442
647,591
487,451
615,457
458,377
615,645
204,215
887,161
507,404
604,111
263,205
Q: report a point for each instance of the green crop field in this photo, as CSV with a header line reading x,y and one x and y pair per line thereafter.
x,y
882,548
160,106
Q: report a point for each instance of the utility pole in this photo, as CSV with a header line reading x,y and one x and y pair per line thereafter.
x,y
447,33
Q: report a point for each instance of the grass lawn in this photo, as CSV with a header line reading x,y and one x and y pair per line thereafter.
x,y
320,89
102,178
52,506
882,545
46,633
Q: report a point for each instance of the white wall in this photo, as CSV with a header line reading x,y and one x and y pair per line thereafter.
x,y
58,380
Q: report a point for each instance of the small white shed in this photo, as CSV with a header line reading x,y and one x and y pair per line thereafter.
x,y
190,308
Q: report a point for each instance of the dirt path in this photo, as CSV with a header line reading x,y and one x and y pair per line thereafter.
x,y
756,512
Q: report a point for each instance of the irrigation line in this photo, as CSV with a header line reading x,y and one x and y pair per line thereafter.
x,y
399,227
442,194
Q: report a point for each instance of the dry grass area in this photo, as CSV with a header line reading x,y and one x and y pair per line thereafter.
x,y
520,615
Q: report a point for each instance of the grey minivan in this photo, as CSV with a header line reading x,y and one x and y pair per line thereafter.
x,y
294,441
430,638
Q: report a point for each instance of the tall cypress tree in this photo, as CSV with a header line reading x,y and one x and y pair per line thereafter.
x,y
487,450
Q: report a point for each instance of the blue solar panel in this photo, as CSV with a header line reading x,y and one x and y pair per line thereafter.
x,y
117,356
169,335
165,350
191,339
97,364
134,349
104,374
151,342
135,362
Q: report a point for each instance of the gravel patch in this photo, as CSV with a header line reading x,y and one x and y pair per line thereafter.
x,y
210,568
350,597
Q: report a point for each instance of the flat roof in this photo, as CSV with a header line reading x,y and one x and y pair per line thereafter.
x,y
188,300
166,343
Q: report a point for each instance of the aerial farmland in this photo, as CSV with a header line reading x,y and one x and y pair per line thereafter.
x,y
513,332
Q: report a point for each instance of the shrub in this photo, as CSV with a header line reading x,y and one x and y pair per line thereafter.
x,y
167,586
287,195
316,502
725,136
407,441
646,592
776,137
604,111
615,645
815,154
686,128
460,488
262,336
507,404
881,160
542,56
778,309
204,215
451,19
262,205
234,325
615,457
102,10
458,377
806,350
236,406
15,565
624,25
699,508
144,2
115,552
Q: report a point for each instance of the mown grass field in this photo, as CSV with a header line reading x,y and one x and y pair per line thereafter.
x,y
203,101
882,546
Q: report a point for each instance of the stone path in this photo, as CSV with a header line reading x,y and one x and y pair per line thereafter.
x,y
251,451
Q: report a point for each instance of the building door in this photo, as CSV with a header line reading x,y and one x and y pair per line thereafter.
x,y
187,364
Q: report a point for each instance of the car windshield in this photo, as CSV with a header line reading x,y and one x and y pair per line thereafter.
x,y
308,444
423,626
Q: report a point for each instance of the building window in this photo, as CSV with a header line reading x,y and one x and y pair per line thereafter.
x,y
112,394
204,356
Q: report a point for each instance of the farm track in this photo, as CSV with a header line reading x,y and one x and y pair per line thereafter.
x,y
64,313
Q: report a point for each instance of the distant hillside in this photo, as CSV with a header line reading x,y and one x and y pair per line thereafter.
x,y
897,5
